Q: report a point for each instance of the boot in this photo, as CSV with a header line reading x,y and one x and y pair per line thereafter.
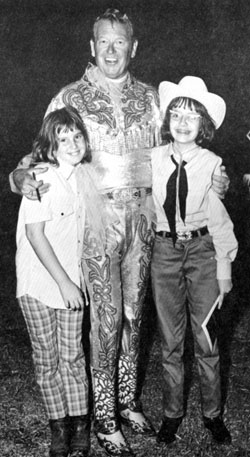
x,y
168,430
60,435
106,431
80,436
219,431
133,417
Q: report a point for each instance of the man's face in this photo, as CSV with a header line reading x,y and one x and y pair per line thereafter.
x,y
112,48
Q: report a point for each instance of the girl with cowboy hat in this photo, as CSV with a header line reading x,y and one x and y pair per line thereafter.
x,y
194,248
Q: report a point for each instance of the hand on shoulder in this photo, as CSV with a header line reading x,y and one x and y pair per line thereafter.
x,y
27,185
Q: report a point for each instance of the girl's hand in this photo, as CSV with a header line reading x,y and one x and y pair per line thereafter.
x,y
225,285
72,295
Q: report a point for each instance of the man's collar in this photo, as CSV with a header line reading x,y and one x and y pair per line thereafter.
x,y
97,78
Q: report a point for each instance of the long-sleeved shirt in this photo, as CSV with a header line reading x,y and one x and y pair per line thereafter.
x,y
203,207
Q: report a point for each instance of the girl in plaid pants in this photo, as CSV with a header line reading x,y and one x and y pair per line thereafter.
x,y
49,284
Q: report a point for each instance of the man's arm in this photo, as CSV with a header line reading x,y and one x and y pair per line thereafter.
x,y
22,181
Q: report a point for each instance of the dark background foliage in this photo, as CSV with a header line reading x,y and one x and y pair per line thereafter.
x,y
44,45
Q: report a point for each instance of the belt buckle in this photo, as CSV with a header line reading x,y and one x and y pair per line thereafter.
x,y
122,195
137,193
184,236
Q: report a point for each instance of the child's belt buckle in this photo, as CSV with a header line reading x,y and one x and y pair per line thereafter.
x,y
184,236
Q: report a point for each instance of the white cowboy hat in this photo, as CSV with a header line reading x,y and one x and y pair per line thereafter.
x,y
193,87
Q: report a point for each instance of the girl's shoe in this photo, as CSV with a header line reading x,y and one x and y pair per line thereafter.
x,y
167,432
219,431
111,439
80,436
60,437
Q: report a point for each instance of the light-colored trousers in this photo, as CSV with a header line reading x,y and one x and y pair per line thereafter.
x,y
117,284
186,272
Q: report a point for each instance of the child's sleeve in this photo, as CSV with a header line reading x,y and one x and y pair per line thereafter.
x,y
35,211
220,227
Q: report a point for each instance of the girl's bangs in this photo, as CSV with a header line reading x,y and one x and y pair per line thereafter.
x,y
184,102
65,127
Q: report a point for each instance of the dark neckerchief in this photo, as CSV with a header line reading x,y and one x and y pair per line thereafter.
x,y
170,202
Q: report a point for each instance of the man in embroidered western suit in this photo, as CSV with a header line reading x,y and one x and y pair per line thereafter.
x,y
122,118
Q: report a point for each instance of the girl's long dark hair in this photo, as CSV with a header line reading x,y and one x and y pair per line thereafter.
x,y
46,143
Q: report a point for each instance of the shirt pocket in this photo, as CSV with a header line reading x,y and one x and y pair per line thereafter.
x,y
63,210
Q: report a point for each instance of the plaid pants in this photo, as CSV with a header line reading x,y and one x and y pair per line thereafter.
x,y
56,339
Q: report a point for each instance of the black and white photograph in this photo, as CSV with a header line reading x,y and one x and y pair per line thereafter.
x,y
125,228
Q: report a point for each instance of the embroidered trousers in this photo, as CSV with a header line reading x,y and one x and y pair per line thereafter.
x,y
117,284
56,339
186,271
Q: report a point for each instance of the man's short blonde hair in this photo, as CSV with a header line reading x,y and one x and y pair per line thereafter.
x,y
114,15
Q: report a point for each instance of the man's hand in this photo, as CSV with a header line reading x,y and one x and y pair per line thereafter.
x,y
27,185
225,285
220,183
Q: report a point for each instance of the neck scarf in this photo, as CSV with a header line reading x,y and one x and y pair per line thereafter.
x,y
170,201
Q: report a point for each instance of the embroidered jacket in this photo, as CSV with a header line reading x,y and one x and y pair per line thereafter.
x,y
122,127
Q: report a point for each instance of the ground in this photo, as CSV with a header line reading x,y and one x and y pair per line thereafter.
x,y
24,430
44,45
